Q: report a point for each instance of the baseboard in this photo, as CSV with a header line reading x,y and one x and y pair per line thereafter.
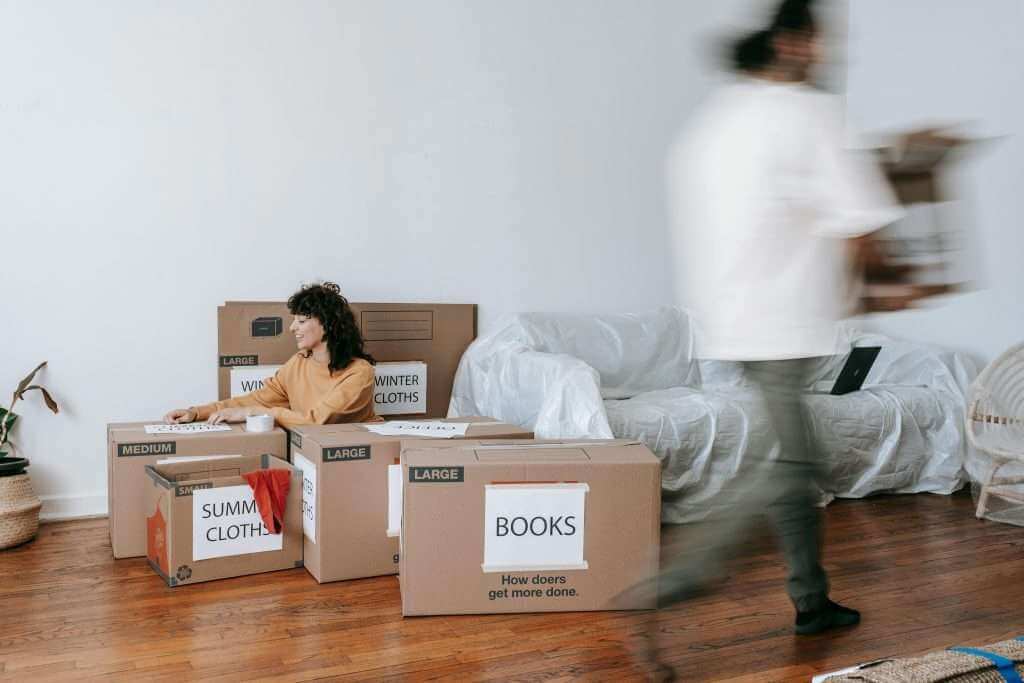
x,y
57,508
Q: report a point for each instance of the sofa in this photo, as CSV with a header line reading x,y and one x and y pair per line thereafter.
x,y
635,376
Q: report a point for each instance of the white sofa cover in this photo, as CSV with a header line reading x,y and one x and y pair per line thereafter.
x,y
634,376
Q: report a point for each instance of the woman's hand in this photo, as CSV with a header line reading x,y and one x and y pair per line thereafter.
x,y
180,416
228,415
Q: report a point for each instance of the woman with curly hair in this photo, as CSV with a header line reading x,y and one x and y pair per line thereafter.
x,y
329,380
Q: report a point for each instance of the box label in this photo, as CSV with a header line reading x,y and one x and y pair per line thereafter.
x,y
531,527
400,388
345,453
296,439
236,361
245,380
394,501
147,448
433,429
226,522
187,428
437,475
308,470
189,489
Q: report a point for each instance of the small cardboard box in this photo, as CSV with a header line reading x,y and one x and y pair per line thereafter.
x,y
540,526
203,522
130,449
345,493
253,333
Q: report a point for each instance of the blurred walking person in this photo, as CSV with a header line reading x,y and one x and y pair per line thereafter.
x,y
769,217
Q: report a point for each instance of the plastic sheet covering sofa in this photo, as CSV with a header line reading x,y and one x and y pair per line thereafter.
x,y
634,376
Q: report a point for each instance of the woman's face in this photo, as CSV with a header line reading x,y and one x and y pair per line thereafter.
x,y
308,332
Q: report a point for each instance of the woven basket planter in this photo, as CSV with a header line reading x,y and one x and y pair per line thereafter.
x,y
19,511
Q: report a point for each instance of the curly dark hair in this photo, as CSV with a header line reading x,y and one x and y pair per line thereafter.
x,y
324,302
755,50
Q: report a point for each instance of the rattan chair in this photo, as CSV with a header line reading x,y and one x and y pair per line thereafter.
x,y
995,424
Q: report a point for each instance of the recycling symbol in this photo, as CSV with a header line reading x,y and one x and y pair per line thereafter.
x,y
184,572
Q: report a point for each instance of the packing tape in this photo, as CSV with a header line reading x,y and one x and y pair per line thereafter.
x,y
259,423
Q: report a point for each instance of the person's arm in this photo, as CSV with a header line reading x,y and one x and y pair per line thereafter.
x,y
349,398
271,395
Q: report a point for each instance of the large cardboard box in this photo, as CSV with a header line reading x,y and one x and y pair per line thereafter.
x,y
130,449
345,487
254,333
400,386
541,526
203,522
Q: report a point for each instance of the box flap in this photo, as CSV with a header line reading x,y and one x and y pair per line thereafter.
x,y
418,451
549,454
211,468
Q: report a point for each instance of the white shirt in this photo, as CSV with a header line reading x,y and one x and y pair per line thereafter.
x,y
762,197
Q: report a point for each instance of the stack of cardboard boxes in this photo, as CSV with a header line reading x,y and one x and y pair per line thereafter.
x,y
474,514
928,253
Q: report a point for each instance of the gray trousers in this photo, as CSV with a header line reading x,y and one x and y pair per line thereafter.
x,y
783,489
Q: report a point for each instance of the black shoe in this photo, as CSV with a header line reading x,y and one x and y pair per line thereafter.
x,y
832,615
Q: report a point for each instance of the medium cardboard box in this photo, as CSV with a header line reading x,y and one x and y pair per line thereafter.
x,y
540,526
130,449
251,333
345,487
203,522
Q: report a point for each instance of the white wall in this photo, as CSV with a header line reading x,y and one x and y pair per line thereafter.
x,y
157,158
928,61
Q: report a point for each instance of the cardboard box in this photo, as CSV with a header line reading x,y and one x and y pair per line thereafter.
x,y
345,494
203,522
542,526
130,449
400,387
929,252
248,334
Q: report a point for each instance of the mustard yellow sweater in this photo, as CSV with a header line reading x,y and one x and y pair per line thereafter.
x,y
305,392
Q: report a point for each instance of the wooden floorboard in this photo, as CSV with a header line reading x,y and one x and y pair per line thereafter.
x,y
924,572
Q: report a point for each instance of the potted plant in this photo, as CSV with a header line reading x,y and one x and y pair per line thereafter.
x,y
19,505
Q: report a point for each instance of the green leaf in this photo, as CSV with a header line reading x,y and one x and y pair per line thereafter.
x,y
9,418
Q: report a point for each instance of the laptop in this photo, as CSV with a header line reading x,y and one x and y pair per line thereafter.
x,y
855,370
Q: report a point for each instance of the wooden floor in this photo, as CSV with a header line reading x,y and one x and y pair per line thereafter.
x,y
924,572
